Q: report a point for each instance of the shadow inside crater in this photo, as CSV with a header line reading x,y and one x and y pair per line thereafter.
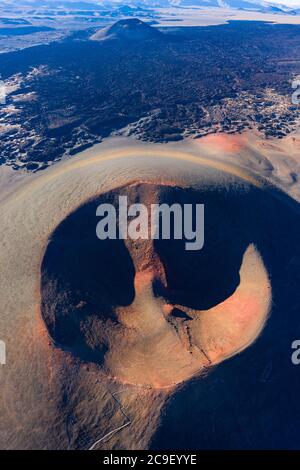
x,y
201,279
84,279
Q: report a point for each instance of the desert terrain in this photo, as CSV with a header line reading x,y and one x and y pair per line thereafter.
x,y
142,344
215,16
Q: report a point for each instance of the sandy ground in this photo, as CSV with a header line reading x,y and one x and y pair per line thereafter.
x,y
276,160
214,16
36,375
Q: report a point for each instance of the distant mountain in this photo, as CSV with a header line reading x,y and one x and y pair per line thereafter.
x,y
263,6
132,29
256,5
248,5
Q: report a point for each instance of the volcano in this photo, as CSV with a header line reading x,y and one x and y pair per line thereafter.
x,y
129,29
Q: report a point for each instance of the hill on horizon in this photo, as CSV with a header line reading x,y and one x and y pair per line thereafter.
x,y
132,29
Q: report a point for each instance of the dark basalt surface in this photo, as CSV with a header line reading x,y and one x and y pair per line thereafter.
x,y
162,87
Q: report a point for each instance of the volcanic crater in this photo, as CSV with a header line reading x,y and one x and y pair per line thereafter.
x,y
148,311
